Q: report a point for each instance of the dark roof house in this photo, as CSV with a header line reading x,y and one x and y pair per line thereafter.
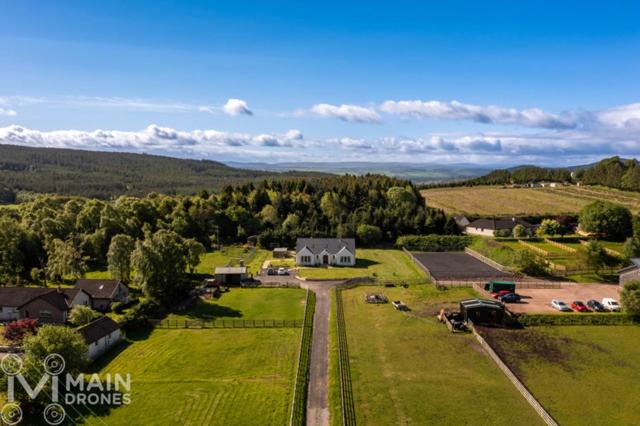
x,y
496,224
98,289
331,245
97,329
44,304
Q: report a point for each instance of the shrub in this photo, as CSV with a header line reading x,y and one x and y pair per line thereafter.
x,y
434,242
630,297
520,231
117,307
530,264
16,331
578,319
138,317
81,315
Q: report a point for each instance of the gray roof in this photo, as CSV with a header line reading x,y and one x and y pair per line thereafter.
x,y
98,288
332,245
19,296
635,265
231,270
97,329
499,223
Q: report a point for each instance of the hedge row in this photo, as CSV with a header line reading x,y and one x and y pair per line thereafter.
x,y
434,242
578,319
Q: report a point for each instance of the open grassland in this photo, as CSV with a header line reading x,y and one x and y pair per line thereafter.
x,y
375,263
578,373
499,201
249,303
407,368
230,256
212,377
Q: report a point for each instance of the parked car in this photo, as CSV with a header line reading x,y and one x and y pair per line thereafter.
x,y
560,305
499,294
595,306
510,298
399,305
283,271
577,305
271,271
610,304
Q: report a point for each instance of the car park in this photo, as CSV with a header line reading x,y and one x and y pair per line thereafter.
x,y
560,306
595,306
510,298
578,306
611,304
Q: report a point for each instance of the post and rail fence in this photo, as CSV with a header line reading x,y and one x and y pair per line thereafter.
x,y
346,391
226,323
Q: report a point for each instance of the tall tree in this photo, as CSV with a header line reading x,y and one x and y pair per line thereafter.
x,y
194,250
65,260
11,257
606,218
119,257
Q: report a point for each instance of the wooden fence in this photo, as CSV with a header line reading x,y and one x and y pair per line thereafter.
x,y
519,284
561,246
346,391
300,391
546,417
227,323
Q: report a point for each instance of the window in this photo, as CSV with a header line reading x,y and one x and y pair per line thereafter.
x,y
45,315
305,259
345,259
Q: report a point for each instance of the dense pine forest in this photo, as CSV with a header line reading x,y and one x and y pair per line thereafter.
x,y
611,172
104,174
55,236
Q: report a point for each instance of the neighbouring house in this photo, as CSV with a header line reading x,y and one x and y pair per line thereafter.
x,y
231,275
461,221
630,273
104,292
47,305
100,335
326,251
280,252
488,227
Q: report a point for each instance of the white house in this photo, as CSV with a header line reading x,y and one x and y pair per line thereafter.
x,y
326,251
100,335
488,227
104,292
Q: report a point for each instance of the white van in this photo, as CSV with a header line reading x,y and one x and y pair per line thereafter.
x,y
610,304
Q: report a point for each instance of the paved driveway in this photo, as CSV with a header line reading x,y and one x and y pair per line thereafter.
x,y
539,300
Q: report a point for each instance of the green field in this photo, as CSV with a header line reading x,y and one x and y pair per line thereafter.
x,y
213,377
496,200
230,256
249,303
407,368
580,374
375,263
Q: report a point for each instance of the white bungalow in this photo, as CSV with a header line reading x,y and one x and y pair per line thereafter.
x,y
326,251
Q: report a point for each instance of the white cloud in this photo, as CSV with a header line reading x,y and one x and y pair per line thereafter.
x,y
454,110
294,135
352,113
236,107
8,112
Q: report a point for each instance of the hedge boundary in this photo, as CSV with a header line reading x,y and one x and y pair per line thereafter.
x,y
533,320
300,392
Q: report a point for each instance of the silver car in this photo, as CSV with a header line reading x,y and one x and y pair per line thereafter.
x,y
560,305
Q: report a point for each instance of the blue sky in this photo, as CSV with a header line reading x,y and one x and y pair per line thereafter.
x,y
434,82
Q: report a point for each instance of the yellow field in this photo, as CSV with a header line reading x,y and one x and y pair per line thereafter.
x,y
496,200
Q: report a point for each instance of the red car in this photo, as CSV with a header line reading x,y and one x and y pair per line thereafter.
x,y
500,293
579,306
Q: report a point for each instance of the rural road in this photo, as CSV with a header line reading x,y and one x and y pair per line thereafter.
x,y
318,397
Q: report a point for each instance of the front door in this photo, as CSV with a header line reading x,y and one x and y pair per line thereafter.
x,y
325,259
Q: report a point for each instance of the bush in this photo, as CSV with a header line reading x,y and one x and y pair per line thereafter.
x,y
520,231
138,317
578,319
630,297
368,234
117,307
81,315
434,242
606,218
530,264
502,233
16,331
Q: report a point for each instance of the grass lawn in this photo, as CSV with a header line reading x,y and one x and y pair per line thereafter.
x,y
231,256
409,369
580,374
212,377
250,303
375,263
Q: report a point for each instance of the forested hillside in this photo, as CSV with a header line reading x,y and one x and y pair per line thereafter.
x,y
612,172
104,174
60,236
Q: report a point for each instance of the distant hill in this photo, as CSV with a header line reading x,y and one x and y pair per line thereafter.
x,y
106,174
419,173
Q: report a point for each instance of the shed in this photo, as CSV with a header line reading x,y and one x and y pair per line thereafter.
x,y
231,275
280,252
100,335
482,312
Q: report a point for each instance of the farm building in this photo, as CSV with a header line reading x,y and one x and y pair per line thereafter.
x,y
326,251
100,335
231,275
488,227
280,252
482,312
630,273
461,221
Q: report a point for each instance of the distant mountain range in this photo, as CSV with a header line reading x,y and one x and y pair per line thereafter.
x,y
416,172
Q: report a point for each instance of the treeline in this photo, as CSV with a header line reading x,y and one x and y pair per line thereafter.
x,y
611,172
106,174
55,236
